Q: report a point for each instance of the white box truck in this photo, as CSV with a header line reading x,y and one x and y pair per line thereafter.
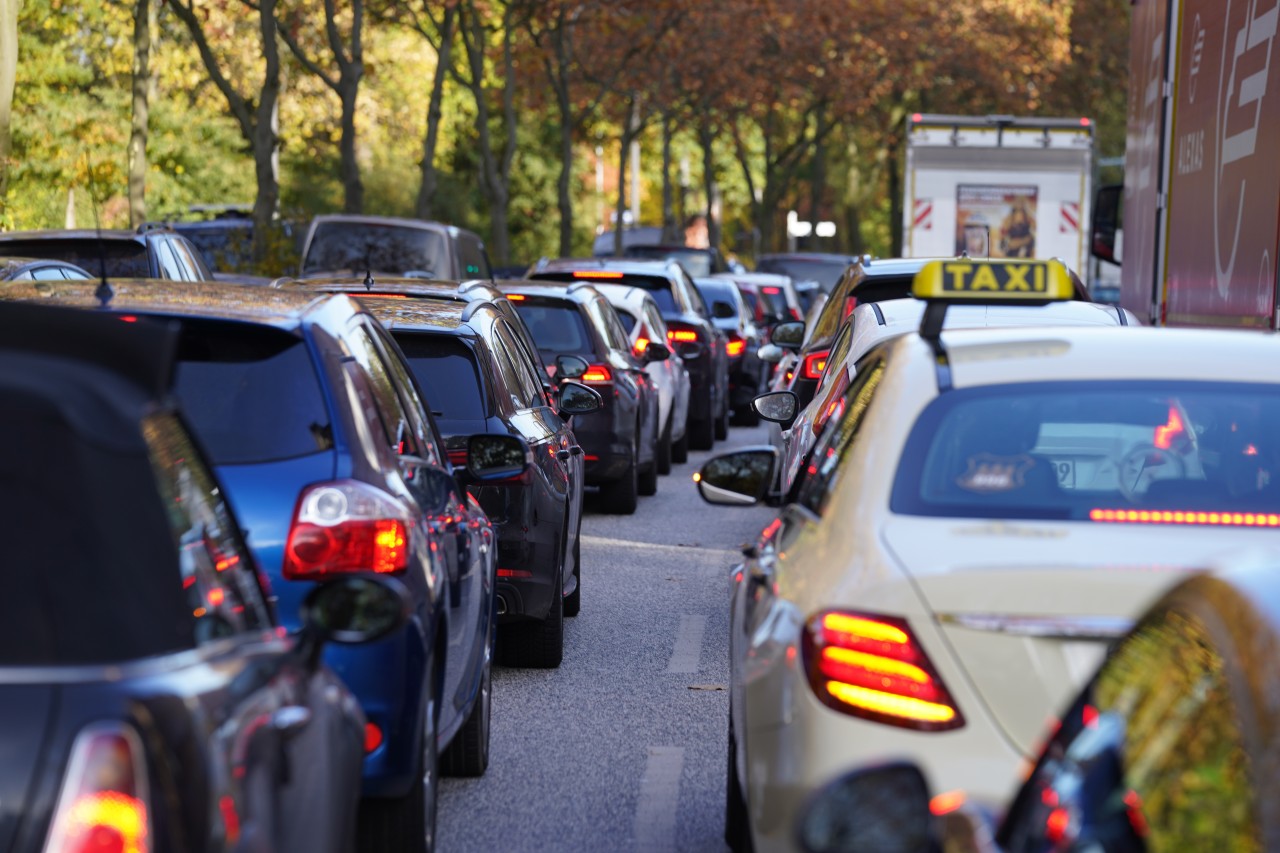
x,y
998,186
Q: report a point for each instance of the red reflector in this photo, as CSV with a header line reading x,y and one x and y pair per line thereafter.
x,y
772,291
917,118
1164,516
1056,825
814,364
591,458
102,805
641,344
230,818
1084,122
516,297
128,318
872,667
736,348
346,526
364,294
597,373
372,737
514,573
946,803
850,303
596,274
682,336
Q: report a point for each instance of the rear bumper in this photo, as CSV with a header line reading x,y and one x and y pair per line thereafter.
x,y
606,451
701,388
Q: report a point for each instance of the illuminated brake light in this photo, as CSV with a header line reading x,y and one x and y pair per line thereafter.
x,y
347,526
945,804
368,295
641,344
103,802
850,303
128,318
872,667
1164,516
458,457
814,364
772,291
736,347
596,274
597,373
682,336
514,573
372,737
517,297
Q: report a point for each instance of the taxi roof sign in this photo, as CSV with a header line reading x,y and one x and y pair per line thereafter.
x,y
1003,281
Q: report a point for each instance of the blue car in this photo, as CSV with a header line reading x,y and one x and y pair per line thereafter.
x,y
333,465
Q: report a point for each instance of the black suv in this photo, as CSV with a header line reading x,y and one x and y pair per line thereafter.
x,y
150,252
690,331
620,440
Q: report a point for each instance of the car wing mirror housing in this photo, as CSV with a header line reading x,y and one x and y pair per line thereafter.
x,y
722,310
578,399
870,810
353,609
770,353
570,366
740,478
656,351
788,335
779,407
496,457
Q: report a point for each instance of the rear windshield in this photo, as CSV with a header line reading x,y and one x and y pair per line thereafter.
x,y
556,327
358,247
121,258
251,393
446,371
627,319
1132,452
775,302
824,272
656,286
696,262
717,291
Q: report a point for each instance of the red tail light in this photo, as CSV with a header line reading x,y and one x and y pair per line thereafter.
x,y
458,457
814,364
347,526
103,802
597,373
596,274
1165,516
736,346
850,303
772,291
872,667
372,737
795,314
682,336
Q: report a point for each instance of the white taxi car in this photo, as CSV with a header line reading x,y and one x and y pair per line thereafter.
x,y
989,509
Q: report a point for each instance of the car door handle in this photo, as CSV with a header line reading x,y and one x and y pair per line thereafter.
x,y
290,720
575,450
563,455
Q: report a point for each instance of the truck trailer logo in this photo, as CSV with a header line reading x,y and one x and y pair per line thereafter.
x,y
1238,115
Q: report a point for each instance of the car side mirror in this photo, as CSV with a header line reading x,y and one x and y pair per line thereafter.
x,y
433,487
578,399
689,350
496,457
656,351
780,407
570,366
741,478
770,353
721,310
788,335
869,811
356,609
1107,203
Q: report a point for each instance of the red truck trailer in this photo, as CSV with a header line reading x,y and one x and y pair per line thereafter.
x,y
1201,211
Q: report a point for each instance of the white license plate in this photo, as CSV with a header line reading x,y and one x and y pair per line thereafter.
x,y
1066,471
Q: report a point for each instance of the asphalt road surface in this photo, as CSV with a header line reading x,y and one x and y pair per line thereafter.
x,y
623,747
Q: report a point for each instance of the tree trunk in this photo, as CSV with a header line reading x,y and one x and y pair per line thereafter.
x,y
895,195
9,10
263,137
141,92
424,209
706,135
352,187
818,174
492,179
670,228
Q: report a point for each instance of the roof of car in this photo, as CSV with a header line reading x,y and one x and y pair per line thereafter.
x,y
552,289
628,266
993,356
417,313
623,294
386,221
12,263
824,257
264,305
354,285
756,279
876,267
120,235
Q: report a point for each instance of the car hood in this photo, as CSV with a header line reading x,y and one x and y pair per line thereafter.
x,y
26,712
1029,608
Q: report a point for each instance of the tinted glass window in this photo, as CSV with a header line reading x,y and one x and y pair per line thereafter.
x,y
1151,757
718,291
530,388
697,262
251,393
226,247
410,398
1112,452
357,247
190,259
472,258
830,454
606,322
398,429
627,319
48,274
217,571
446,371
826,273
557,327
170,267
656,286
122,258
657,326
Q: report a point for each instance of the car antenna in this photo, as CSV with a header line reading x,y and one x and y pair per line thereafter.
x,y
103,292
368,267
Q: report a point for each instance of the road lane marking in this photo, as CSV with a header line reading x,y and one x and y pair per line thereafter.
x,y
688,651
659,799
689,550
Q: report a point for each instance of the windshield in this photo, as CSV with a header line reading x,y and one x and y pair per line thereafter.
x,y
1144,452
251,393
556,327
446,371
121,258
824,272
358,247
696,262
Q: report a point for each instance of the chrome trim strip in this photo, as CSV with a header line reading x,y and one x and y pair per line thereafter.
x,y
1057,627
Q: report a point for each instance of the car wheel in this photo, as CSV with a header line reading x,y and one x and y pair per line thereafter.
x,y
737,828
573,601
537,644
619,497
701,434
468,754
680,449
664,449
407,823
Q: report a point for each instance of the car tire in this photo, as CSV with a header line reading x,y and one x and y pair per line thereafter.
x,y
680,449
620,496
737,827
701,434
540,644
407,823
573,601
468,754
647,484
664,450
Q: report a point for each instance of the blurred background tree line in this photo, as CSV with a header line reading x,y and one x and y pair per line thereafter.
x,y
516,117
